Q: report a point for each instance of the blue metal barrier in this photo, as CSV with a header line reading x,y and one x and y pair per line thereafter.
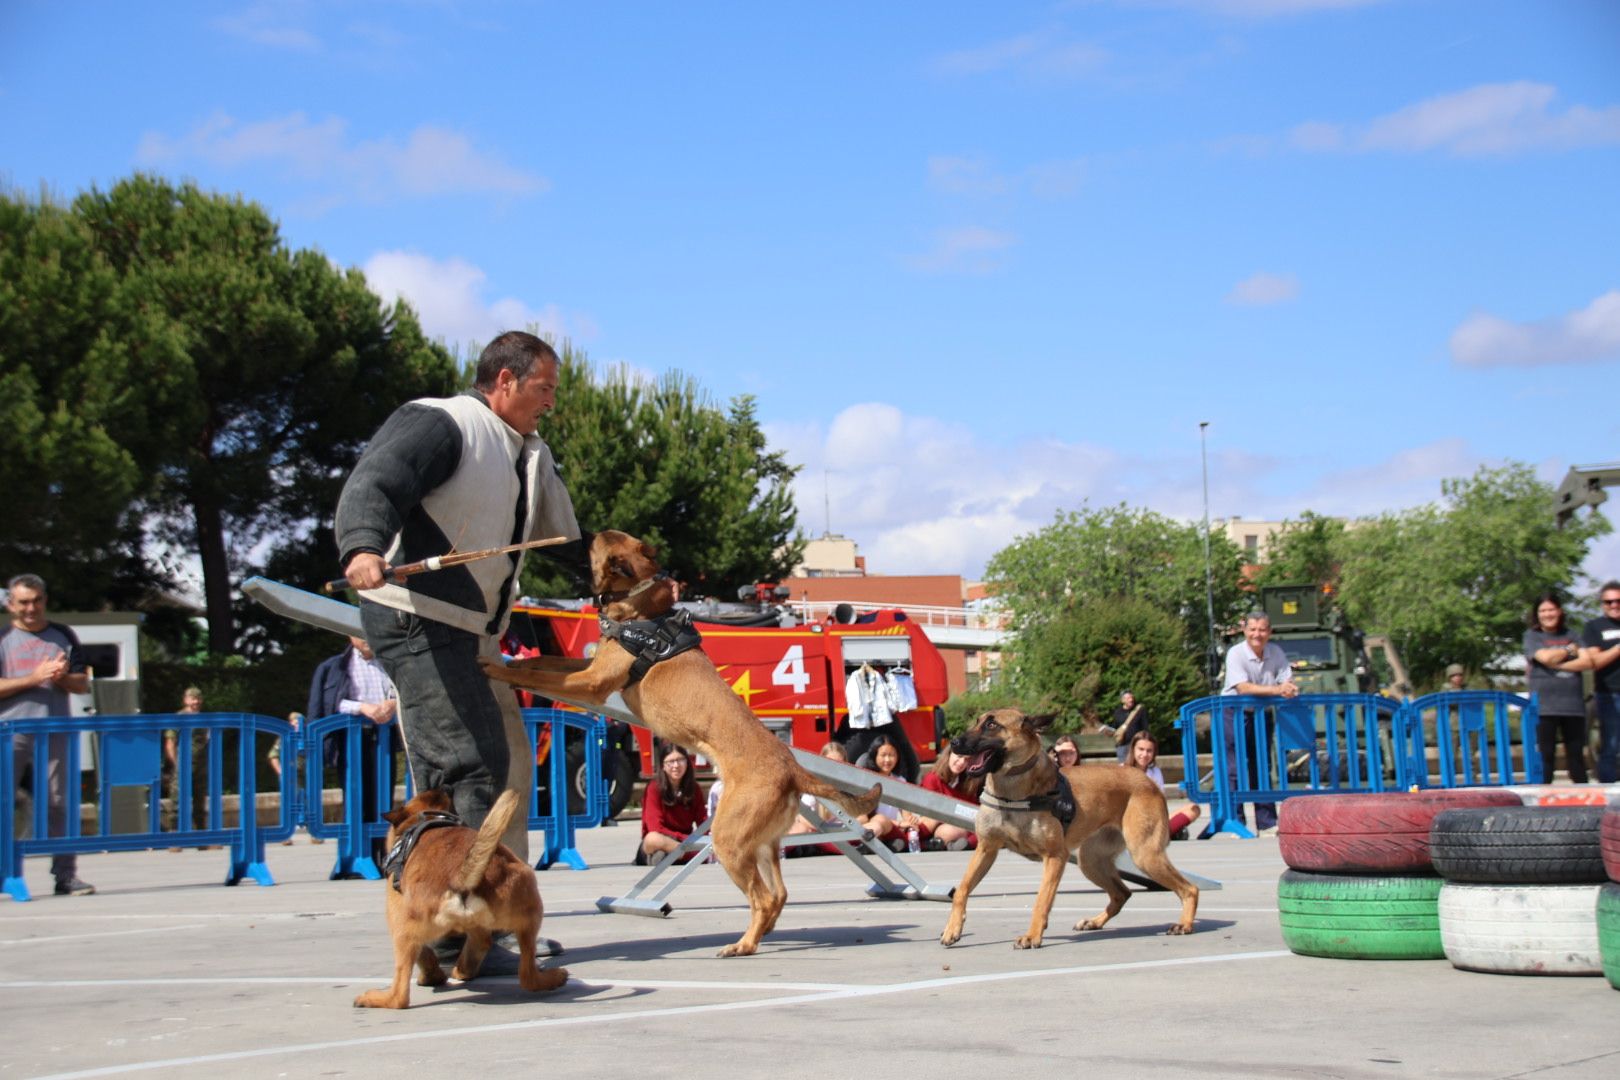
x,y
558,824
1472,735
131,755
1267,749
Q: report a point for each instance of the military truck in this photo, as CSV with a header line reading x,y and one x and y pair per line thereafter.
x,y
1328,655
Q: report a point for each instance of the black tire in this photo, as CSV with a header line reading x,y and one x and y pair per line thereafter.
x,y
1608,924
1524,845
1354,917
577,779
1609,841
621,784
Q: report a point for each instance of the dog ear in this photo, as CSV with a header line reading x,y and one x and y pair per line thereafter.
x,y
394,816
648,550
1041,721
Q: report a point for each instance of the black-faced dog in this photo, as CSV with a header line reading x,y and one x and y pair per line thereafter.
x,y
1112,808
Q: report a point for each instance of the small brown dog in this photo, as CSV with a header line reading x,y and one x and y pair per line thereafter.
x,y
1113,808
457,881
683,699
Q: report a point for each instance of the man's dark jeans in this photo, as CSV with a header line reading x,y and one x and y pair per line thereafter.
x,y
454,734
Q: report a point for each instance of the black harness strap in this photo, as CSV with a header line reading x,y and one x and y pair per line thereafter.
x,y
394,863
1059,802
652,641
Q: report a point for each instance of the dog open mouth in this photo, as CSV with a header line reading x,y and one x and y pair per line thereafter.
x,y
984,761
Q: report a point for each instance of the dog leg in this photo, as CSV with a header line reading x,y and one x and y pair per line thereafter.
x,y
472,955
744,870
771,868
531,977
983,858
1097,856
1051,873
397,996
1156,865
429,973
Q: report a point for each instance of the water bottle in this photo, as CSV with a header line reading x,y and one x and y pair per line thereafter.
x,y
912,844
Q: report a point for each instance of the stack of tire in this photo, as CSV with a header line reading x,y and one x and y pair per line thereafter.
x,y
1522,888
1608,905
1360,884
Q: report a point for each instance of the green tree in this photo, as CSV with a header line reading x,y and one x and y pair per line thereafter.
x,y
1453,582
224,382
1305,552
1086,656
1118,551
660,461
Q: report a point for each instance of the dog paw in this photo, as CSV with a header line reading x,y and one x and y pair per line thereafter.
x,y
736,949
379,999
1176,930
544,979
948,939
1096,922
1027,941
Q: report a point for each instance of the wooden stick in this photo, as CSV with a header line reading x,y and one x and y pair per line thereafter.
x,y
454,558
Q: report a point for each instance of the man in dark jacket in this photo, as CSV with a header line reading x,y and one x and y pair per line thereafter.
x,y
353,682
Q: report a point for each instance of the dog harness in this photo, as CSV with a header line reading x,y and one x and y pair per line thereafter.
x,y
652,641
394,862
1059,802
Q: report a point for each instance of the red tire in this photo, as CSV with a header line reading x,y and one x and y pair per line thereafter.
x,y
1382,833
1609,841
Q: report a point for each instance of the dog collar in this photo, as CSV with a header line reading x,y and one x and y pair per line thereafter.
x,y
604,599
394,862
652,641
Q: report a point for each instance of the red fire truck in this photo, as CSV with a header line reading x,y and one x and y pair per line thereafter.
x,y
793,677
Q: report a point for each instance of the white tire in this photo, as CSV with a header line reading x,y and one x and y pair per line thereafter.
x,y
1521,929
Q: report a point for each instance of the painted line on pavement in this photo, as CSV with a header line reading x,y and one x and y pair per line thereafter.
x,y
661,1014
100,934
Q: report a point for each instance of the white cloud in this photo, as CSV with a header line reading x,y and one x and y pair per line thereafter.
x,y
431,160
972,176
266,24
1588,335
1044,53
449,298
970,249
1263,290
1494,119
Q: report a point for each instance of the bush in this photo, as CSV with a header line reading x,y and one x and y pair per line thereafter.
x,y
1078,663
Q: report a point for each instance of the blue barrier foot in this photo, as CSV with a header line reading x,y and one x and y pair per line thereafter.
x,y
17,888
569,857
242,867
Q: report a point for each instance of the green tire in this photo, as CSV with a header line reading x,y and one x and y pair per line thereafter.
x,y
1608,926
1360,917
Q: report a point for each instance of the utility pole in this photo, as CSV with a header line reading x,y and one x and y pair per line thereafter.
x,y
1209,573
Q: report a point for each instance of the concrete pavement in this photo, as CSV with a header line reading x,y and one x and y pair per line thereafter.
x,y
167,971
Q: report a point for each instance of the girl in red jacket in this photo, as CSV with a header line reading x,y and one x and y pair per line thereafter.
x,y
672,806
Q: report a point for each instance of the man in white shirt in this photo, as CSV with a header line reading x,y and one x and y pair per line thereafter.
x,y
1255,666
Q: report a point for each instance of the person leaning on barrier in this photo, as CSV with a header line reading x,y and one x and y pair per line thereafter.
x,y
354,683
1554,662
1257,667
40,665
1600,645
191,702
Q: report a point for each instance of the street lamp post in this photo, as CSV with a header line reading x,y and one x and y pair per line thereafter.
x,y
1209,573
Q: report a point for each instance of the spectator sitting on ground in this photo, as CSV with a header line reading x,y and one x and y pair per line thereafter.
x,y
672,806
1065,751
890,824
1145,756
949,777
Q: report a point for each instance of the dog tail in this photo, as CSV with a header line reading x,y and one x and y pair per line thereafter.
x,y
483,849
854,805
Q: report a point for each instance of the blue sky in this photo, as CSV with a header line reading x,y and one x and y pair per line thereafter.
x,y
977,262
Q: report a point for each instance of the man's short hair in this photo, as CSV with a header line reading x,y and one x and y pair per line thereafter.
x,y
27,581
1609,586
515,351
1256,616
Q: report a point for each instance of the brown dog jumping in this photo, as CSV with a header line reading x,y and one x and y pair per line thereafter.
x,y
444,878
649,652
1022,808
